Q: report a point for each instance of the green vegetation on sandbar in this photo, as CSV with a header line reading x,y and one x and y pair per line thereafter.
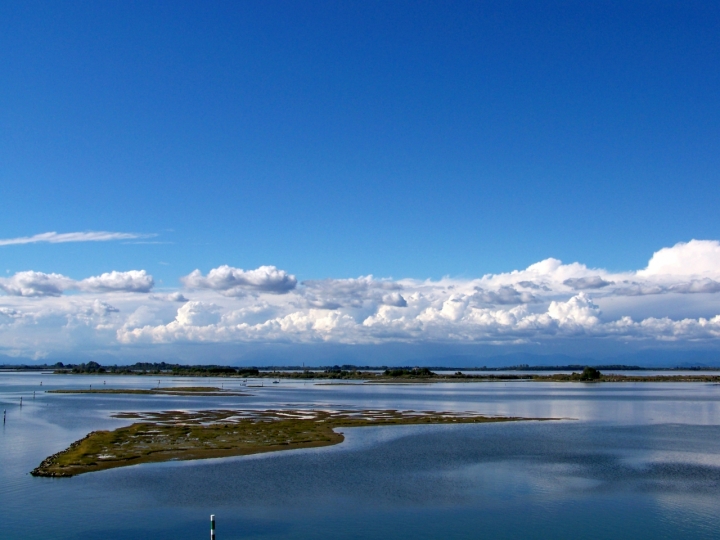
x,y
170,391
180,435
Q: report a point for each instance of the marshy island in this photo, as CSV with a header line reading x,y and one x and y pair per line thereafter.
x,y
187,435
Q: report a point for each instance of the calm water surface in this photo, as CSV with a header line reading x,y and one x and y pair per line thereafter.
x,y
628,461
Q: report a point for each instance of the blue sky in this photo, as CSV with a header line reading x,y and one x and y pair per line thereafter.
x,y
335,140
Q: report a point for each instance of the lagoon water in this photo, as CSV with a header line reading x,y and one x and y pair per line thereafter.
x,y
636,461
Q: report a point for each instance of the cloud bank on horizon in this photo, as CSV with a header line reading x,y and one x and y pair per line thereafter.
x,y
673,300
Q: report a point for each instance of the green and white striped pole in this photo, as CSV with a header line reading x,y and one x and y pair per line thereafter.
x,y
212,527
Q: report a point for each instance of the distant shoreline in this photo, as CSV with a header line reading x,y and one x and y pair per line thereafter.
x,y
219,370
162,368
398,375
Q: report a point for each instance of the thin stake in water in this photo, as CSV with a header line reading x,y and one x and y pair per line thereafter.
x,y
212,527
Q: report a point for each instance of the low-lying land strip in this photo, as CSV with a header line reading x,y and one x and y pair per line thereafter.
x,y
577,377
170,391
348,373
181,435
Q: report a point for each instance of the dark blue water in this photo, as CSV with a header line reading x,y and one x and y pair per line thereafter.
x,y
632,461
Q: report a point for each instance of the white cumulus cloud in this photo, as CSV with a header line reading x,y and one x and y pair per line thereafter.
x,y
394,299
696,257
675,299
32,283
578,310
198,314
362,292
231,281
131,281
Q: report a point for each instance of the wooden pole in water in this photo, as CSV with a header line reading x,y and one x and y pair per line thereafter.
x,y
4,413
20,401
212,527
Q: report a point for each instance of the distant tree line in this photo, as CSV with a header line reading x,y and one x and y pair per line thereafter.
x,y
409,373
157,368
347,371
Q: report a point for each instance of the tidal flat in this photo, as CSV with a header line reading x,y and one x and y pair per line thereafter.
x,y
184,435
